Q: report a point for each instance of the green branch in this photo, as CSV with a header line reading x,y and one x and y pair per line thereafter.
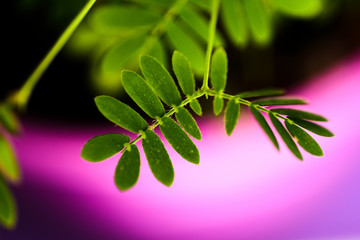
x,y
23,95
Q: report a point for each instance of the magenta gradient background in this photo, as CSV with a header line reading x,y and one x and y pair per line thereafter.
x,y
242,189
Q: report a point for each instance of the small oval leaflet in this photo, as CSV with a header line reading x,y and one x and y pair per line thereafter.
x,y
8,215
8,163
120,114
259,21
261,93
264,125
235,22
293,113
185,119
184,75
160,80
304,139
128,169
313,127
232,113
285,136
196,107
179,140
303,8
218,69
218,105
279,101
188,46
138,89
8,119
158,158
104,146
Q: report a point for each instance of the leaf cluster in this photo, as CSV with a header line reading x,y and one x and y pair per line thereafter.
x,y
9,168
157,87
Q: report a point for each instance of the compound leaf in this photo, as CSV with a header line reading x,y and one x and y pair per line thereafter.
x,y
8,211
138,89
196,107
285,136
160,80
293,113
179,140
261,93
304,139
120,114
188,46
218,105
104,146
128,169
185,119
279,101
218,69
265,126
232,113
8,119
235,22
184,75
313,127
8,163
158,158
259,21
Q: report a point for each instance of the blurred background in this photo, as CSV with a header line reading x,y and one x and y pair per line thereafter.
x,y
237,191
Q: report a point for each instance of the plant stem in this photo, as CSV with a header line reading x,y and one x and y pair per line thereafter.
x,y
23,95
210,46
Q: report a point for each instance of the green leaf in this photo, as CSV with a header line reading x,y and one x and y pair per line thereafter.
x,y
158,158
157,3
218,105
259,21
261,93
179,140
313,127
188,46
115,19
265,126
303,8
304,139
293,113
116,58
196,107
120,114
8,163
285,136
104,146
8,212
199,24
128,169
8,119
159,52
189,124
235,22
279,101
142,94
232,113
218,69
184,75
160,80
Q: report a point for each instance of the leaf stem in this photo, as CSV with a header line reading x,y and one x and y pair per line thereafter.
x,y
21,98
210,46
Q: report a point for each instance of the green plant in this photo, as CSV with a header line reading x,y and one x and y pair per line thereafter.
x,y
158,85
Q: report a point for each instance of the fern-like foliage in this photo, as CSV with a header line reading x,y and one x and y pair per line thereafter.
x,y
157,86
